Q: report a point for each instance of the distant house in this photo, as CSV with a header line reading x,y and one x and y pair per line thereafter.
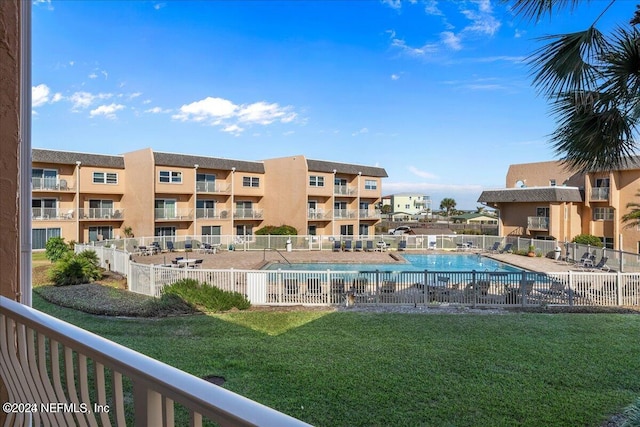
x,y
474,218
409,204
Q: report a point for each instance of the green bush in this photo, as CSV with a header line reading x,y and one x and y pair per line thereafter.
x,y
283,230
56,248
75,269
206,296
588,239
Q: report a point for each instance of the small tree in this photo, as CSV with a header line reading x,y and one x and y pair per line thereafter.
x,y
75,269
283,230
56,248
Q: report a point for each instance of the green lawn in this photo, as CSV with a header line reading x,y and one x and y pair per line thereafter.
x,y
365,369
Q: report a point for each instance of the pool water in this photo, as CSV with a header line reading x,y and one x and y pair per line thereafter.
x,y
432,262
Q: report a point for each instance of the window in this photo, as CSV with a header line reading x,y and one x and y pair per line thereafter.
x,y
346,230
44,208
363,230
602,182
165,209
544,212
316,181
100,233
46,179
39,236
100,208
250,181
370,184
211,234
173,177
552,182
105,178
164,232
607,242
603,214
205,182
205,208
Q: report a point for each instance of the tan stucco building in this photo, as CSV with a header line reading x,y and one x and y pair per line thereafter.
x,y
88,197
546,199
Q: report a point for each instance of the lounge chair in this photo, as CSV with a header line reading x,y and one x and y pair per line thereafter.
x,y
494,248
197,264
358,245
507,248
601,265
337,246
370,247
170,247
348,245
388,287
402,245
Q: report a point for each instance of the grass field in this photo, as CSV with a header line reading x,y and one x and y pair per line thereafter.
x,y
373,369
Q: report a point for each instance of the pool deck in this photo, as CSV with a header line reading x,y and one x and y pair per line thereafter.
x,y
252,260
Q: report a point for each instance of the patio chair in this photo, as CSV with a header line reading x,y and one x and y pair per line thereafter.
x,y
197,263
359,285
188,246
369,247
337,246
402,245
170,247
494,248
358,246
388,287
601,265
348,245
507,248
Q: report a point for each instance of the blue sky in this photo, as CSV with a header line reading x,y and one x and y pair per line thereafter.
x,y
436,92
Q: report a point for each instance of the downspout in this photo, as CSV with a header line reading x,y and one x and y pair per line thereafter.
x,y
78,163
195,199
24,295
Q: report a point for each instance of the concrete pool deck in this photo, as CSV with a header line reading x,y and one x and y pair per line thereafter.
x,y
252,260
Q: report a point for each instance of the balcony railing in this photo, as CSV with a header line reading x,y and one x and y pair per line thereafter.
x,y
51,184
318,214
212,187
212,213
538,222
370,214
51,214
599,193
344,213
101,213
173,213
248,213
344,190
45,360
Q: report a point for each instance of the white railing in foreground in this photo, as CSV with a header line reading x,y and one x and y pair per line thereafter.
x,y
86,378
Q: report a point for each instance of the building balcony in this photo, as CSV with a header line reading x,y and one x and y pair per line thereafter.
x,y
205,213
344,190
344,213
370,214
247,214
538,223
51,214
213,187
318,214
52,184
46,360
101,213
599,194
173,214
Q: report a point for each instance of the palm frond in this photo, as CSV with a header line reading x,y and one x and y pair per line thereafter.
x,y
622,67
537,9
593,133
570,62
632,219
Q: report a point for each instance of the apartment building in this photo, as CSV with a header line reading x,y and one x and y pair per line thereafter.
x,y
408,203
88,197
546,199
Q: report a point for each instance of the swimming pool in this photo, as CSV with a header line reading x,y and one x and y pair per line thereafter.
x,y
415,262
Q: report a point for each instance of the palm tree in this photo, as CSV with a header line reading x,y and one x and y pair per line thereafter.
x,y
592,82
632,219
448,205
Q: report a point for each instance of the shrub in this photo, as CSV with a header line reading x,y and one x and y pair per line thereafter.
x,y
56,248
206,296
588,239
74,269
283,230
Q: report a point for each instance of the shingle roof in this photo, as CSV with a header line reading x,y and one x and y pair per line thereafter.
x,y
188,161
70,158
346,168
533,194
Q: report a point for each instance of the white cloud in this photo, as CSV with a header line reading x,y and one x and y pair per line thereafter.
x,y
451,40
159,6
519,33
394,187
157,110
414,51
482,20
394,4
82,100
39,95
431,8
230,116
421,173
395,76
57,97
360,132
93,76
107,110
45,3
289,132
